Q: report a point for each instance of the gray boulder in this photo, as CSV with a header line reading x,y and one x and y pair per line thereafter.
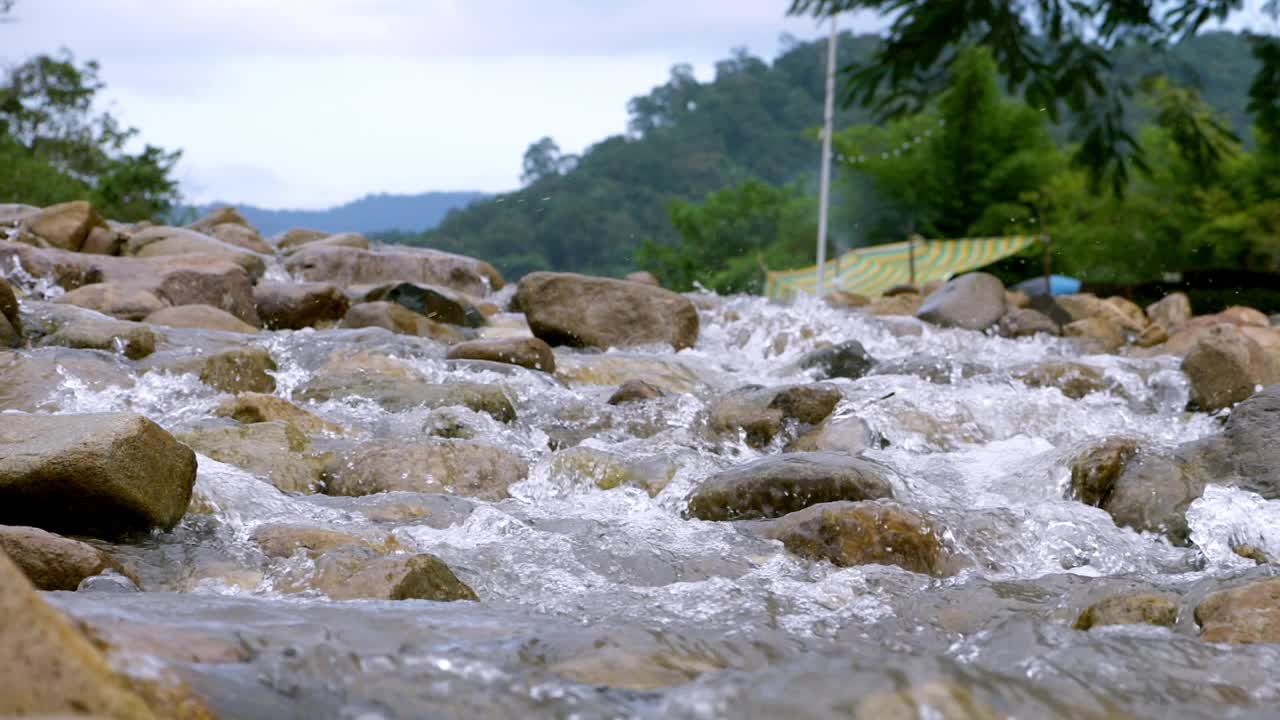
x,y
583,311
975,301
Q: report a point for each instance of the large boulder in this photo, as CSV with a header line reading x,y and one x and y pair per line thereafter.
x,y
398,319
1170,311
351,266
761,413
775,486
119,300
1153,491
241,237
276,451
225,215
1246,453
51,325
1226,366
529,353
162,241
443,466
974,301
437,303
67,270
51,669
204,317
861,533
293,306
64,226
846,360
1249,613
1129,610
251,407
52,562
584,311
100,474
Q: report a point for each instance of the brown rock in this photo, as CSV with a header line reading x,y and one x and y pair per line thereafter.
x,y
776,485
849,435
761,412
861,533
1129,610
241,237
1094,472
225,215
398,319
51,562
530,353
1225,367
1246,614
1021,322
899,305
51,325
455,467
644,277
297,237
1075,380
236,370
290,306
347,240
436,303
351,266
64,226
1170,311
125,302
275,451
1101,334
103,241
1154,334
205,317
282,541
101,474
349,574
583,311
846,299
50,668
635,391
30,381
251,407
9,309
164,241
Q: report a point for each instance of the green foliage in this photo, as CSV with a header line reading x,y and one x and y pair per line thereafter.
x,y
727,241
58,149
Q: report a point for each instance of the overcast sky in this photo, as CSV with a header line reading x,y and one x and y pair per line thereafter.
x,y
311,103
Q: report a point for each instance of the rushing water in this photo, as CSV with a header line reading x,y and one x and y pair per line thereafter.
x,y
609,603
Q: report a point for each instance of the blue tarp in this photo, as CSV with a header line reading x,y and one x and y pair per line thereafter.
x,y
1058,285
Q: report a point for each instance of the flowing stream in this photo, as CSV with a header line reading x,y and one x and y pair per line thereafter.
x,y
604,603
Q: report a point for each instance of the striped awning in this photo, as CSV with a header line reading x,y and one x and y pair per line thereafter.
x,y
872,270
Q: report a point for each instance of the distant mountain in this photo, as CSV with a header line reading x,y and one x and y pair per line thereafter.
x,y
369,214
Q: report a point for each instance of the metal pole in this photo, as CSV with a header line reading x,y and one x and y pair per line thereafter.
x,y
824,196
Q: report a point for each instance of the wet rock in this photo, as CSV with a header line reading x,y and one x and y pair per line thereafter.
x,y
635,391
121,301
51,668
1170,311
775,486
530,353
861,533
275,451
666,374
251,407
846,300
346,266
351,573
1094,472
1246,454
1152,494
898,305
1251,552
974,301
846,360
1249,613
608,665
937,370
241,237
644,277
196,280
282,541
51,562
1154,334
225,215
1097,334
235,370
162,241
448,466
108,582
933,701
30,381
1129,610
204,317
293,306
345,362
342,240
607,470
50,325
398,394
398,319
297,237
435,303
64,226
68,270
761,412
583,311
849,435
100,475
1075,380
1025,322
10,320
1225,367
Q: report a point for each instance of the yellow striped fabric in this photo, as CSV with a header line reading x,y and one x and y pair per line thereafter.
x,y
872,270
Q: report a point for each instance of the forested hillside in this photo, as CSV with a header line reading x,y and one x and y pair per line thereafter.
x,y
754,120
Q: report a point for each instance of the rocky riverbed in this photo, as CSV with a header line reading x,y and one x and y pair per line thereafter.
x,y
304,477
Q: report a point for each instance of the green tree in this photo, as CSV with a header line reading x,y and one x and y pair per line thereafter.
x,y
49,127
1052,52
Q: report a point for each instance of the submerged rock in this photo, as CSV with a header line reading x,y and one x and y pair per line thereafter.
x,y
102,475
848,435
608,470
31,381
775,486
64,226
861,533
235,370
1249,613
584,311
10,321
974,301
1094,472
761,412
458,467
282,541
1095,334
846,360
635,391
1129,610
530,353
51,562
